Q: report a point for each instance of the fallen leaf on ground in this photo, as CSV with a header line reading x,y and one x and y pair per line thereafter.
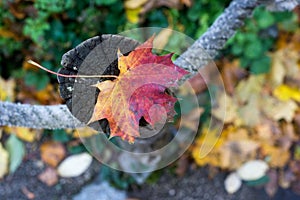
x,y
4,160
231,73
84,132
250,113
142,83
277,156
234,153
49,176
192,118
285,93
23,133
266,130
27,193
248,87
232,183
278,71
7,89
16,150
227,109
206,149
253,170
52,153
278,110
133,15
237,148
74,165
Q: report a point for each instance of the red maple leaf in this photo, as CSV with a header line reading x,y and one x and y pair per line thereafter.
x,y
142,83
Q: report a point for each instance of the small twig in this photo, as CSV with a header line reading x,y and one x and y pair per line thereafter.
x,y
70,76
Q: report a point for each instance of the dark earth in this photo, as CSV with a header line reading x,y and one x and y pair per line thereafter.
x,y
26,177
195,184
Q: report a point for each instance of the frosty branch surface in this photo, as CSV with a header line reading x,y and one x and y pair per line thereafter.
x,y
34,116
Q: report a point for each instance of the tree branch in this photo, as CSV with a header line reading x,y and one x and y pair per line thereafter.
x,y
34,116
215,38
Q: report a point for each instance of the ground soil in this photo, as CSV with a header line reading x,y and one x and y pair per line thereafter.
x,y
12,186
194,185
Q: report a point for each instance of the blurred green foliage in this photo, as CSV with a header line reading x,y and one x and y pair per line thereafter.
x,y
257,37
44,30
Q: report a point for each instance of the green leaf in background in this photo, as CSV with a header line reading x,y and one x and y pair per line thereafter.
x,y
261,65
53,6
60,135
105,2
38,81
193,12
35,28
254,49
264,18
237,49
16,150
76,149
116,178
263,180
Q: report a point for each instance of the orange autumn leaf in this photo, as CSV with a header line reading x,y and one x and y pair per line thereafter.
x,y
142,83
52,153
276,156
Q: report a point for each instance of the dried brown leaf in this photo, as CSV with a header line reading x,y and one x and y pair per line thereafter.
x,y
49,176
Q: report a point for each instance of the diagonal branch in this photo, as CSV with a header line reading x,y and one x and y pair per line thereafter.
x,y
215,38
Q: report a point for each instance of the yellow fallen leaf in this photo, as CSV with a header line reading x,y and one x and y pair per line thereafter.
x,y
133,15
237,148
23,133
285,111
250,86
209,143
276,155
212,158
84,132
3,161
236,133
278,71
291,62
277,110
234,153
7,89
285,93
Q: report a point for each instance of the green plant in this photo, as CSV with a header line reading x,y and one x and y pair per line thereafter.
x,y
257,37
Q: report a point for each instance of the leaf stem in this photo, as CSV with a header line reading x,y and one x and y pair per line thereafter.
x,y
70,76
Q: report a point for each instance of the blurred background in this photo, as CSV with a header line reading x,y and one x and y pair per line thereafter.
x,y
260,70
